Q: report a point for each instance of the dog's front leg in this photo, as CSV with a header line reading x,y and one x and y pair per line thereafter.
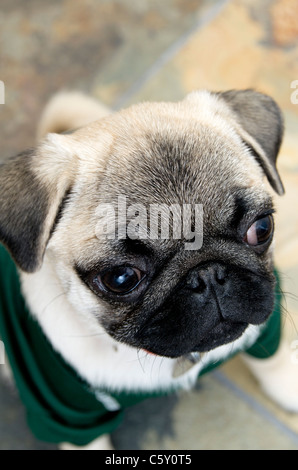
x,y
101,443
278,376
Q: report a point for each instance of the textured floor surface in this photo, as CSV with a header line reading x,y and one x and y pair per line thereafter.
x,y
122,52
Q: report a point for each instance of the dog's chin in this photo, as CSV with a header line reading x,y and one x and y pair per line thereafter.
x,y
222,334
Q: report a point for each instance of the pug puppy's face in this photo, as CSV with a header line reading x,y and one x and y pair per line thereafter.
x,y
206,162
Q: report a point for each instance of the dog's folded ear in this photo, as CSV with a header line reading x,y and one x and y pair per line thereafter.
x,y
260,125
32,187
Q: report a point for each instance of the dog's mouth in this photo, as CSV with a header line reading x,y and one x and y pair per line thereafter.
x,y
224,333
221,335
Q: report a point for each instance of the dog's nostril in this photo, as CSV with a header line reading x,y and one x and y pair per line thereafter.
x,y
200,286
220,280
199,280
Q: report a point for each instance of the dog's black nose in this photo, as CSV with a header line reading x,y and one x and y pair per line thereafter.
x,y
201,279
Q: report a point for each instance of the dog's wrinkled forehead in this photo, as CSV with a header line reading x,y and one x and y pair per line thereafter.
x,y
194,164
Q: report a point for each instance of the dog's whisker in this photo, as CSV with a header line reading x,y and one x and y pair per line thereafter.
x,y
289,295
285,313
53,300
139,359
153,365
91,335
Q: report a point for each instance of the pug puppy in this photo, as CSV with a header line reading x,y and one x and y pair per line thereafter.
x,y
127,307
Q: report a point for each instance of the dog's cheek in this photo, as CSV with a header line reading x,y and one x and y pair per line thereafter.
x,y
121,324
84,302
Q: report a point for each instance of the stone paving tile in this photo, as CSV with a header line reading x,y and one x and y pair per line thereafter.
x,y
14,433
241,376
100,47
211,417
234,51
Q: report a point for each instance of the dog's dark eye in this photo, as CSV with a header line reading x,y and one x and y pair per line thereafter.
x,y
120,280
260,231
